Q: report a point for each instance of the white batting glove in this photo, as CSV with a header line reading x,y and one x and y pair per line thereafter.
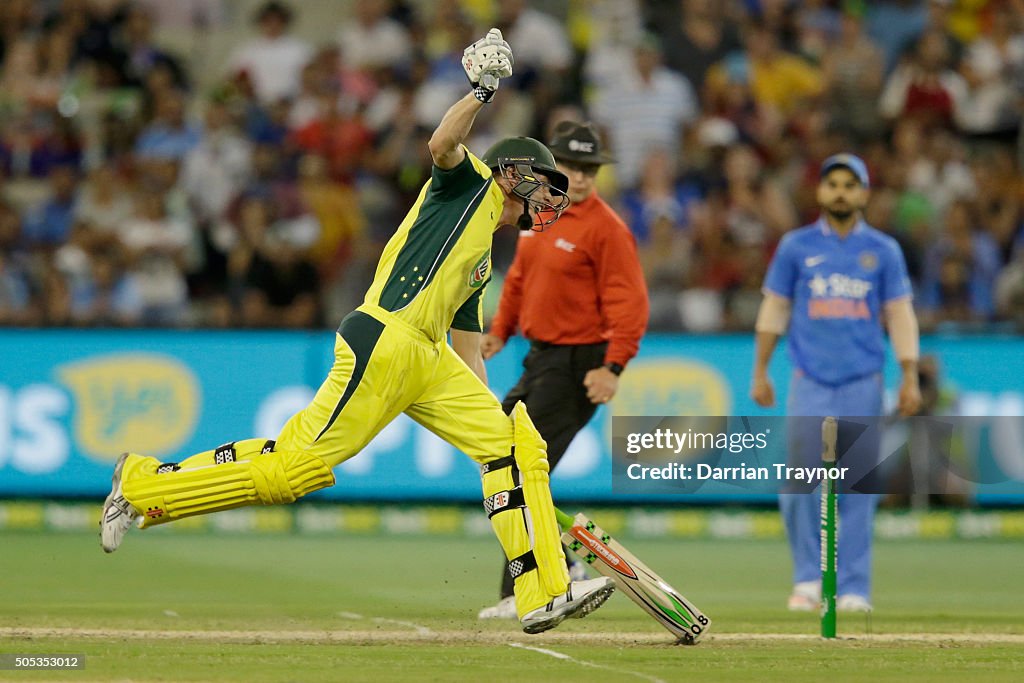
x,y
486,62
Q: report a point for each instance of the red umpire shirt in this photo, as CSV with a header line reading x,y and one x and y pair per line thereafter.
x,y
579,282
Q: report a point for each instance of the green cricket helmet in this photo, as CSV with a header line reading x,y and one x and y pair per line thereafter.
x,y
520,160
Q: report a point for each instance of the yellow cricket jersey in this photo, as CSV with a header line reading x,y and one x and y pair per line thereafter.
x,y
434,269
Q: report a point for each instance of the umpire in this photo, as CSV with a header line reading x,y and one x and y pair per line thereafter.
x,y
577,292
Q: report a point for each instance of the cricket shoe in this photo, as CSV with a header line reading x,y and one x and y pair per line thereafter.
x,y
851,602
582,598
505,609
806,597
118,514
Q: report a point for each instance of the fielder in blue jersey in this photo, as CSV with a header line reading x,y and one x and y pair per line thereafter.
x,y
831,285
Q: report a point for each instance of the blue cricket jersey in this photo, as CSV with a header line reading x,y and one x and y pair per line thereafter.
x,y
838,288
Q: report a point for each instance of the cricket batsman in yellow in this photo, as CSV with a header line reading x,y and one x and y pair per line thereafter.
x,y
392,356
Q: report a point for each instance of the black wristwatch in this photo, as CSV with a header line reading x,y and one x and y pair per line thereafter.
x,y
615,368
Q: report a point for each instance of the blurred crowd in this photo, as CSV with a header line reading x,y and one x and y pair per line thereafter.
x,y
143,185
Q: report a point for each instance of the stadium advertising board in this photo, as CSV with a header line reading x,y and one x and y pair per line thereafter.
x,y
71,401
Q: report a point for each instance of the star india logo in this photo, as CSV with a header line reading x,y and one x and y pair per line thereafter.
x,y
838,296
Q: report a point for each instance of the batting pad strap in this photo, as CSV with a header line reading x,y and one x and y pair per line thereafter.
x,y
522,564
225,454
501,463
504,500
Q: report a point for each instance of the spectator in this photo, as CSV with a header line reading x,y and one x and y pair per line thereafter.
x,y
713,269
282,286
108,297
15,295
960,271
817,25
162,178
442,80
925,88
215,171
757,213
1000,195
994,70
937,20
168,136
317,85
648,110
49,224
742,156
743,300
20,83
665,257
273,61
895,24
1009,292
374,41
541,45
778,80
336,208
157,246
56,50
659,196
852,68
615,28
342,138
104,204
55,298
941,172
699,40
141,54
271,183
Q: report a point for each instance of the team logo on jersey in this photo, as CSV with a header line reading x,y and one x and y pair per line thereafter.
x,y
480,271
868,260
838,296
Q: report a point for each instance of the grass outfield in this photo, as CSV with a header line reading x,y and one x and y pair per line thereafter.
x,y
216,607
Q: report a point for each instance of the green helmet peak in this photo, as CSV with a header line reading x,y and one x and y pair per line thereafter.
x,y
524,150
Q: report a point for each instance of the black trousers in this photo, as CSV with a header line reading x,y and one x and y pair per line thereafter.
x,y
552,389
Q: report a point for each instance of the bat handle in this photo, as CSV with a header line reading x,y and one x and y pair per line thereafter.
x,y
564,520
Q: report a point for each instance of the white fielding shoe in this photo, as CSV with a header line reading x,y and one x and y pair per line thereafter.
x,y
806,597
852,602
505,609
582,598
118,514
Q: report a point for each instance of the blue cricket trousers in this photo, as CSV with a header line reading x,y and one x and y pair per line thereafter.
x,y
801,511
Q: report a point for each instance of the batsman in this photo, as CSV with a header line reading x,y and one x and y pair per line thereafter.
x,y
392,356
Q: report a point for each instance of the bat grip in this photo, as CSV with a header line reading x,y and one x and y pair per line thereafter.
x,y
564,520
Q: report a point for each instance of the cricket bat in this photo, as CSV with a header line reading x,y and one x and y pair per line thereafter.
x,y
631,576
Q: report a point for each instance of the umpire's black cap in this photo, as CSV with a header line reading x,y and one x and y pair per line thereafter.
x,y
579,143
